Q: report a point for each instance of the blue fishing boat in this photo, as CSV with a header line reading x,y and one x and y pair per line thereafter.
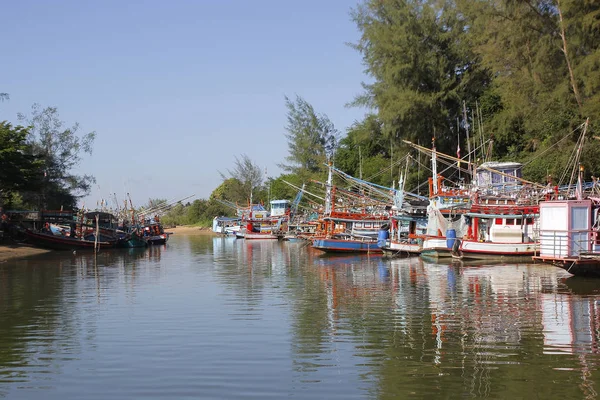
x,y
335,245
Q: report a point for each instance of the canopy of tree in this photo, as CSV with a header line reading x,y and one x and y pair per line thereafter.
x,y
37,161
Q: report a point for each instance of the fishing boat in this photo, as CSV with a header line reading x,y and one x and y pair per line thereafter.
x,y
351,228
444,219
154,234
405,236
51,241
259,223
226,225
499,232
346,245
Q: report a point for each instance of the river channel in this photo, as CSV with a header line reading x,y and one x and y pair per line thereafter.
x,y
217,318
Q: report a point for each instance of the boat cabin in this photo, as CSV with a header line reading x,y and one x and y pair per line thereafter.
x,y
567,228
489,179
498,224
226,225
280,208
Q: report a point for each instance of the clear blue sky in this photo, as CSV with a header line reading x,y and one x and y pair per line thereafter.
x,y
176,90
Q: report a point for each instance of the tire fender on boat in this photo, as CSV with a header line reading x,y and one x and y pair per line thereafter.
x,y
456,246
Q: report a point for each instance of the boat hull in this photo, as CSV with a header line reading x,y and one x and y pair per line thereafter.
x,y
346,246
435,247
258,236
470,249
157,240
53,242
401,249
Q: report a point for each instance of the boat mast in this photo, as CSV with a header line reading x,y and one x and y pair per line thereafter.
x,y
434,168
328,191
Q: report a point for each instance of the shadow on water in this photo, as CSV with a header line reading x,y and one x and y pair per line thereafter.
x,y
582,286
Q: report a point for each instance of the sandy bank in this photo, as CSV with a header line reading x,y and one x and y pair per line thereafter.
x,y
9,251
190,230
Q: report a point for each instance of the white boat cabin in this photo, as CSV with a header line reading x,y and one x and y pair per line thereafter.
x,y
491,179
501,228
280,208
568,228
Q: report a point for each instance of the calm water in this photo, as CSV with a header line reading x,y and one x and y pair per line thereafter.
x,y
218,318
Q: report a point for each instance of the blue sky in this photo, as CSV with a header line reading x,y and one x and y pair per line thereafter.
x,y
176,90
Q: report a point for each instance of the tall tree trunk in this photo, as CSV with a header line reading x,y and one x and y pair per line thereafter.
x,y
566,53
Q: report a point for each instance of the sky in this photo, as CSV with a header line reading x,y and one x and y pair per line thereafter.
x,y
175,91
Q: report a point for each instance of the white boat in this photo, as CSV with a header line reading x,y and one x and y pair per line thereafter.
x,y
406,236
499,231
226,225
570,237
436,247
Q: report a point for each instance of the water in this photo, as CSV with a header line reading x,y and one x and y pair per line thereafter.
x,y
218,318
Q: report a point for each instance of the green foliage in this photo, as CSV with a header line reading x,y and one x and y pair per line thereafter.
x,y
312,139
19,170
505,58
281,190
247,179
419,54
60,149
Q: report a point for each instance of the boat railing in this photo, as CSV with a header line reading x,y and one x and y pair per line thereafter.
x,y
567,243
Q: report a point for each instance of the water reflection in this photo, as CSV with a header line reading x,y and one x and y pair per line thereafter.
x,y
285,320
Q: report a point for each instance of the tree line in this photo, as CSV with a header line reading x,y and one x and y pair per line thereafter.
x,y
507,79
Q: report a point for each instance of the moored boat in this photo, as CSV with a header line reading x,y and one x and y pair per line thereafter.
x,y
49,240
499,231
350,245
154,234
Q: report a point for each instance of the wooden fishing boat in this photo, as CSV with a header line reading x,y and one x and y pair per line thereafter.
x,y
349,245
55,242
499,231
154,234
259,223
405,236
226,225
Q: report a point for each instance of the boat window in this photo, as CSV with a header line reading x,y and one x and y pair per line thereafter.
x,y
367,224
498,221
529,221
518,221
510,221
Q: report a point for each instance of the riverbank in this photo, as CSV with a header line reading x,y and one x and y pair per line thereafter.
x,y
190,230
11,251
